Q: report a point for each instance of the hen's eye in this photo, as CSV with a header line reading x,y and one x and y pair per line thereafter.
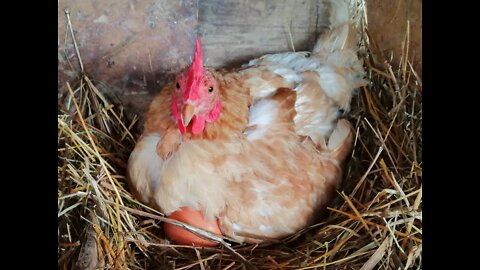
x,y
177,85
210,89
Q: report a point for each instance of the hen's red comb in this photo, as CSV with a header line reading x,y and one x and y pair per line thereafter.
x,y
195,73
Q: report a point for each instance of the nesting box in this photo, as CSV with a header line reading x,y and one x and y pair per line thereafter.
x,y
136,47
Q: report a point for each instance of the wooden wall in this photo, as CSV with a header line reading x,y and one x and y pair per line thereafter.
x,y
135,46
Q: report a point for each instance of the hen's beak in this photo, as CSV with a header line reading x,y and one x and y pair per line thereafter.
x,y
188,112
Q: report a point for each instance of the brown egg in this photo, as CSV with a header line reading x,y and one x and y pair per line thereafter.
x,y
183,237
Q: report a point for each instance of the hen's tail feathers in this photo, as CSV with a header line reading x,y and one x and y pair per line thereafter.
x,y
337,48
339,33
340,141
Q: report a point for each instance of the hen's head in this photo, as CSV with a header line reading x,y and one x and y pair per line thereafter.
x,y
196,99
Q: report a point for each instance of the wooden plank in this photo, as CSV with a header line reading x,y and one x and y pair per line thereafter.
x,y
387,21
131,45
235,31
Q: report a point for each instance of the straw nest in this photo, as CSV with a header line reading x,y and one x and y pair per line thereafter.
x,y
375,222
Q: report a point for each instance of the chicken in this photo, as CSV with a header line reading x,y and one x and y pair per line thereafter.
x,y
257,151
